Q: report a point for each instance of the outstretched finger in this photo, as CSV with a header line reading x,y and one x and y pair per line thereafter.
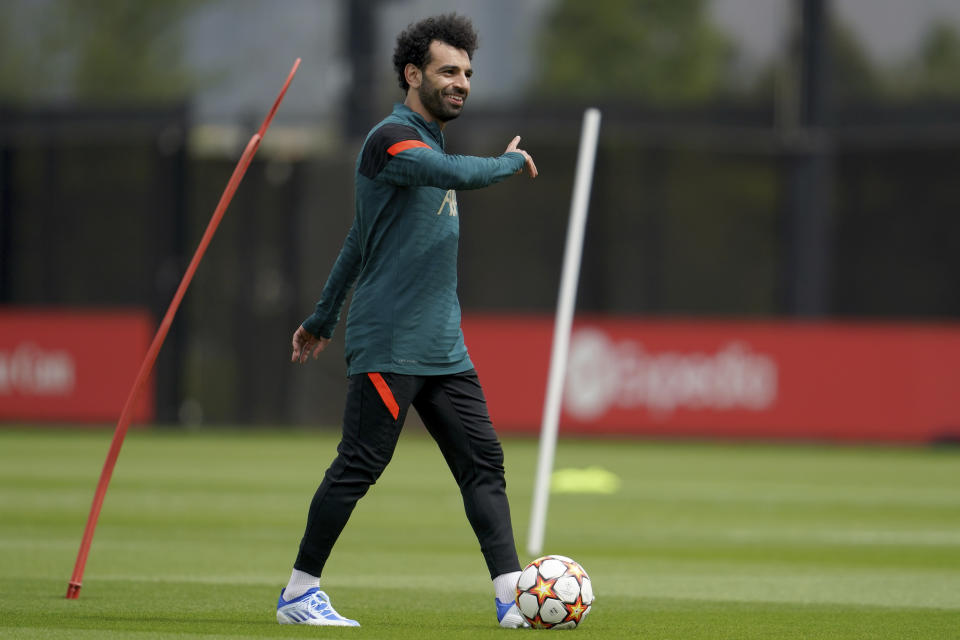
x,y
513,144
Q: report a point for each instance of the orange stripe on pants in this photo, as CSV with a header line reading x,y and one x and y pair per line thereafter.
x,y
385,394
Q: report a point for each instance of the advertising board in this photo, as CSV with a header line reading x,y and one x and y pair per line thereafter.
x,y
776,379
72,365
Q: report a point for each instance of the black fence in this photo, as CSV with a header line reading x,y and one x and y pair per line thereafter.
x,y
696,213
93,204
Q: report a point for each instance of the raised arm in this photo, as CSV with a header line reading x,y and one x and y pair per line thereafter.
x,y
396,154
422,166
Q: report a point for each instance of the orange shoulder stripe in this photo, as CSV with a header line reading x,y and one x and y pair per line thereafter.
x,y
403,145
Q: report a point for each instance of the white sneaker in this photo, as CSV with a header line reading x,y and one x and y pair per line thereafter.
x,y
313,608
508,615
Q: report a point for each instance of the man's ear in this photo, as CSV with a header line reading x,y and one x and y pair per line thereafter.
x,y
413,74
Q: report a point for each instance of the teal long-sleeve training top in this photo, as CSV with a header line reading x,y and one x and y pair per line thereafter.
x,y
401,251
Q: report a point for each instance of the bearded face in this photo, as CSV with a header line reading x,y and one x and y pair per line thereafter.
x,y
443,102
444,81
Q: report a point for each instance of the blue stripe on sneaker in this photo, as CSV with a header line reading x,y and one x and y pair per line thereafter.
x,y
312,605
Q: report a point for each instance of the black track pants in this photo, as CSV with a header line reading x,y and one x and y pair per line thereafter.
x,y
454,411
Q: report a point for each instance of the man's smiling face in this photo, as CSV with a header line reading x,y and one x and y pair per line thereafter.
x,y
445,82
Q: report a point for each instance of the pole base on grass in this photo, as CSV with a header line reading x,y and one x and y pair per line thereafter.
x,y
73,591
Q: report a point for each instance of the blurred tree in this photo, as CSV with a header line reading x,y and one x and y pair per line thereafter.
x,y
94,51
937,69
21,64
660,51
853,75
932,72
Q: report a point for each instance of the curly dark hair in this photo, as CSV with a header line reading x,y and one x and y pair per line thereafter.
x,y
413,44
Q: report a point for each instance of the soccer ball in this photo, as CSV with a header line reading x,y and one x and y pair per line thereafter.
x,y
554,592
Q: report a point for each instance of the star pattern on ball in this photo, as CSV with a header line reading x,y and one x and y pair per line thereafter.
x,y
576,570
544,589
575,610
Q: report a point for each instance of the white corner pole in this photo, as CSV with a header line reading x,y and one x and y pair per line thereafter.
x,y
561,331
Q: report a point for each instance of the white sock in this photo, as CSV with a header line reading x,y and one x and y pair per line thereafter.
x,y
299,584
505,585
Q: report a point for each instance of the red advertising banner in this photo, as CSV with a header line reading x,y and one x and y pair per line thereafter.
x,y
72,365
837,381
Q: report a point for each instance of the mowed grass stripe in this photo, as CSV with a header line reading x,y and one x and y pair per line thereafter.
x,y
702,540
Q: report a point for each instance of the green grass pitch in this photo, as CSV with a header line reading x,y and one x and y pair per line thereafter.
x,y
700,541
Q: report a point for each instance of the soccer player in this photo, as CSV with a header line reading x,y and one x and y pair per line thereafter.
x,y
404,345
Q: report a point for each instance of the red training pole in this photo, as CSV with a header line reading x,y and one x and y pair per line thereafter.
x,y
266,121
73,590
76,580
